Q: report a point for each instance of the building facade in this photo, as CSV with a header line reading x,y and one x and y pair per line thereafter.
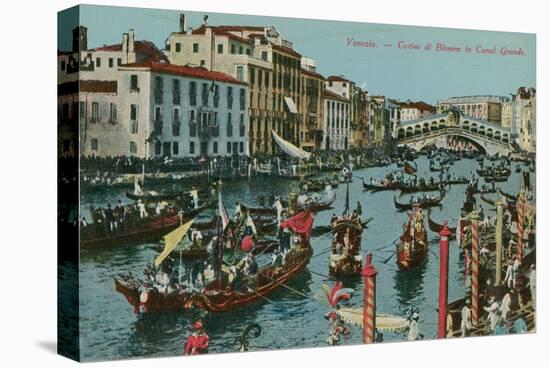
x,y
260,57
182,111
336,125
484,108
415,110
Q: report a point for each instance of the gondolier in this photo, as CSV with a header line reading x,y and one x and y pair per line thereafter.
x,y
198,342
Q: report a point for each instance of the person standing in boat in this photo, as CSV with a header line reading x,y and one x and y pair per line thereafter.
x,y
142,210
466,323
195,196
196,237
358,210
198,342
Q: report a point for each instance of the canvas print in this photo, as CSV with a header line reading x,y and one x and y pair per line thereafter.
x,y
232,183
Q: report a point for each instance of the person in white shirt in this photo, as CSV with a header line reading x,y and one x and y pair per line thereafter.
x,y
505,305
414,332
508,278
142,211
466,323
493,310
515,270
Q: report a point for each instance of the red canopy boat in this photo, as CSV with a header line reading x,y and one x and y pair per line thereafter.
x,y
413,248
345,256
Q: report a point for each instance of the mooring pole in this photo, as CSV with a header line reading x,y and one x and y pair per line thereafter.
x,y
475,268
443,280
498,240
369,301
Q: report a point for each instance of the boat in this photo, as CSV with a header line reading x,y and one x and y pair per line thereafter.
x,y
494,172
495,178
145,230
389,187
438,169
437,186
427,203
507,195
154,196
324,229
345,255
314,206
413,247
436,227
224,297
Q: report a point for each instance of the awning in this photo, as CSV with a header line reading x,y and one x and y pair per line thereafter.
x,y
290,104
385,323
171,241
289,148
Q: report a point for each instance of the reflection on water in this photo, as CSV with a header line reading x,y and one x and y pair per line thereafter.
x,y
111,330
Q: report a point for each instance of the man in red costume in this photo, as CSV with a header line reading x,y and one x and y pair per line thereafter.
x,y
197,343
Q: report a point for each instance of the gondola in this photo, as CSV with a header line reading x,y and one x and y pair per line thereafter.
x,y
148,299
267,280
154,196
388,187
436,227
422,188
345,255
423,204
490,172
320,230
495,178
508,196
412,249
147,230
318,206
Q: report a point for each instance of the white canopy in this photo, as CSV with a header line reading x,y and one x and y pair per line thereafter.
x,y
289,148
291,105
383,322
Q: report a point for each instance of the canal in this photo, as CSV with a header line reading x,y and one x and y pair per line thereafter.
x,y
110,329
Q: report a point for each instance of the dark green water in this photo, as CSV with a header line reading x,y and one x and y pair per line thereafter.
x,y
110,329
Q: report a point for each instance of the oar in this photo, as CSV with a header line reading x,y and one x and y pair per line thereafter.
x,y
389,258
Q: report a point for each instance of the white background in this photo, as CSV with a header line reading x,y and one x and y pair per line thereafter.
x,y
28,181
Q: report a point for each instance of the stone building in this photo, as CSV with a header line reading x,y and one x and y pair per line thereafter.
x,y
337,118
415,110
484,108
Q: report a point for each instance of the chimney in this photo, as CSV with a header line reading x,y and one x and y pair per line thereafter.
x,y
124,43
182,23
80,39
131,37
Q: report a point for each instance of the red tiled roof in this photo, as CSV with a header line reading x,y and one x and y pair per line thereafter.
x,y
332,95
336,78
286,50
189,71
312,74
240,28
145,50
422,106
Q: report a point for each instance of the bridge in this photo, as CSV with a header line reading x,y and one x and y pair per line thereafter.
x,y
487,137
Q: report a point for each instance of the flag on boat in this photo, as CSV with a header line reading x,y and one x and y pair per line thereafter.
x,y
247,244
337,293
171,241
409,169
289,148
223,211
301,224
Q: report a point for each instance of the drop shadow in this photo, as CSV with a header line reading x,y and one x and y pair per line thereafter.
x,y
48,345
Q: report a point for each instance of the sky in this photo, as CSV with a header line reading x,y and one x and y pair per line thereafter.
x,y
400,73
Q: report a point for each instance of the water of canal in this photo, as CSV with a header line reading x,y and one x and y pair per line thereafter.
x,y
110,329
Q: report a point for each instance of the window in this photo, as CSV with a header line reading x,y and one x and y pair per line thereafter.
x,y
242,99
193,93
176,123
240,50
112,113
178,47
264,55
63,65
98,62
158,119
175,148
94,145
241,147
119,61
216,95
240,72
251,75
83,110
203,63
159,86
192,123
157,147
242,126
229,125
192,147
133,112
232,49
65,111
228,147
95,112
220,48
176,92
266,79
111,62
195,48
204,94
133,147
134,83
215,147
166,149
230,97
134,127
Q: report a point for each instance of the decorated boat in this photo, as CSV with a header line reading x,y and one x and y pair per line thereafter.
x,y
413,247
345,255
425,203
221,296
144,230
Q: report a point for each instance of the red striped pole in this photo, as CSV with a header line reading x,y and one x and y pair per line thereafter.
x,y
475,268
443,280
521,208
369,301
